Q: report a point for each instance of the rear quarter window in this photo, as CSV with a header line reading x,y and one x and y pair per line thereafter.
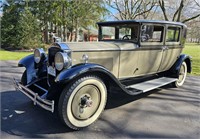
x,y
173,34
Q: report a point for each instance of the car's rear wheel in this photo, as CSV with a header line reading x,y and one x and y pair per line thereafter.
x,y
82,102
182,75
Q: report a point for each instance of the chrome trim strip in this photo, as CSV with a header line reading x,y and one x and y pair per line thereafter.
x,y
45,104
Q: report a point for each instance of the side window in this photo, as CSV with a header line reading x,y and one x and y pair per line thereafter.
x,y
129,33
125,33
173,34
152,33
108,33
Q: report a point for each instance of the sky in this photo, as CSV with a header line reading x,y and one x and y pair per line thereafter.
x,y
2,4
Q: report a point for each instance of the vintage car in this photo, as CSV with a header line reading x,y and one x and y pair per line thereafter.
x,y
134,56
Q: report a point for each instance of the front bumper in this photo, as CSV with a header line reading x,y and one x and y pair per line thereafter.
x,y
37,100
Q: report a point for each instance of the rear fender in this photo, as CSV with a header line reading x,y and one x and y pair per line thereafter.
x,y
176,67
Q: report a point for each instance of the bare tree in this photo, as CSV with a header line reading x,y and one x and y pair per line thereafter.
x,y
180,10
194,30
131,9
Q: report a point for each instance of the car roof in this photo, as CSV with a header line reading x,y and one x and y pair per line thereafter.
x,y
139,22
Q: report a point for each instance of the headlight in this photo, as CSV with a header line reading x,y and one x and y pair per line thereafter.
x,y
38,54
62,60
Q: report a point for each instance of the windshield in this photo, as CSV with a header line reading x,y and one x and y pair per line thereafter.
x,y
119,32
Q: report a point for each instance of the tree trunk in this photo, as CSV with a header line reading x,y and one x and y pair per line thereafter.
x,y
71,35
55,28
77,31
59,31
46,37
180,11
162,6
51,27
64,33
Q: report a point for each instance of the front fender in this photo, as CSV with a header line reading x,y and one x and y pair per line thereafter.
x,y
183,57
80,69
31,71
28,63
92,69
69,75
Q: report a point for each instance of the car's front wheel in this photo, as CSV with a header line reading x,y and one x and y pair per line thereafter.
x,y
182,75
82,102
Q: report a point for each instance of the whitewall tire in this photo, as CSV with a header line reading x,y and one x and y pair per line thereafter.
x,y
82,102
182,75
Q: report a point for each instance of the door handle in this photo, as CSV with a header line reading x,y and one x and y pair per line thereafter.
x,y
165,48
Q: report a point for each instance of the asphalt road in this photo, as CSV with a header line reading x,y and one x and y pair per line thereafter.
x,y
161,113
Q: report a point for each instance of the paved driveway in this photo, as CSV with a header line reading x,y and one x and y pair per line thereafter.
x,y
166,113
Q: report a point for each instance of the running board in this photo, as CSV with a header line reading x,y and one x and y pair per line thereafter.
x,y
151,84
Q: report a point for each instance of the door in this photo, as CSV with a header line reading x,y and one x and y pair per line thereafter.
x,y
128,44
150,52
172,48
128,60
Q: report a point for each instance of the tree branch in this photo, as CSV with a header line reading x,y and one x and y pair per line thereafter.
x,y
180,10
137,9
162,6
198,4
191,18
175,14
120,12
146,11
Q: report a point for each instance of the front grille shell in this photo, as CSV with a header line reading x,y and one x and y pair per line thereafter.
x,y
51,55
51,62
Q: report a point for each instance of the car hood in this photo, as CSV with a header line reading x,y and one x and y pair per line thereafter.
x,y
98,46
91,46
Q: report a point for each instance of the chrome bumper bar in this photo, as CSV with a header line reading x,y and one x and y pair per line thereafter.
x,y
37,100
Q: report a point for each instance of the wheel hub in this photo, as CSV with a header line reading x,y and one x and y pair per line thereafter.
x,y
86,101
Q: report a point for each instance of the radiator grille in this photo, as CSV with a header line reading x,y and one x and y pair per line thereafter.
x,y
51,54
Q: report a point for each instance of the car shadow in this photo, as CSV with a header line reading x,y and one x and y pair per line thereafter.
x,y
119,98
20,117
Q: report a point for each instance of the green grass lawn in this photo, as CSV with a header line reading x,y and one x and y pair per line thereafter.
x,y
190,49
8,55
194,51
